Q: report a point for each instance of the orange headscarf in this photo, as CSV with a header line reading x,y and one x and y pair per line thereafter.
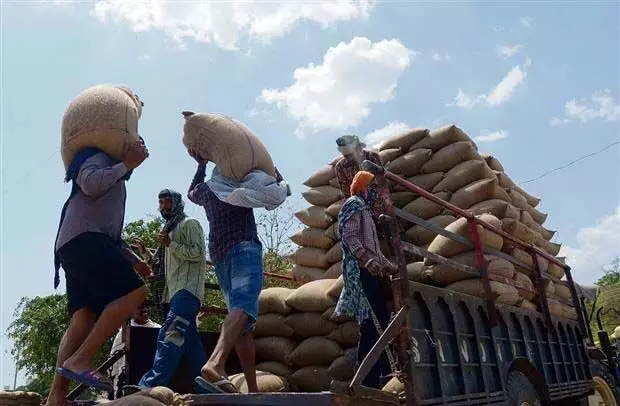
x,y
361,181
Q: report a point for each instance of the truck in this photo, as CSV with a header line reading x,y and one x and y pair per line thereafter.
x,y
456,349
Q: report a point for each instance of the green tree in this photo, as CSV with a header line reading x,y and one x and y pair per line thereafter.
x,y
611,274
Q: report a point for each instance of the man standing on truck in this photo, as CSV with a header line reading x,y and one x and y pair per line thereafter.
x,y
103,290
236,251
183,263
364,269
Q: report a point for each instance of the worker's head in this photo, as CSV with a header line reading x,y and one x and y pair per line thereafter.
x,y
361,183
141,314
351,148
170,203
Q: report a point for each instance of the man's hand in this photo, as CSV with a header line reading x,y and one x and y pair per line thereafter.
x,y
143,269
374,268
164,239
196,155
139,244
390,267
135,154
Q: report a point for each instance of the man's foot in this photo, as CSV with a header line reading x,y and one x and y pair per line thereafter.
x,y
214,375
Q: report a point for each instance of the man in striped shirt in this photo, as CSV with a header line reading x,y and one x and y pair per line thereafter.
x,y
185,266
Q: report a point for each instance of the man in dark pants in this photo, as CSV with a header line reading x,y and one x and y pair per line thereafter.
x,y
364,269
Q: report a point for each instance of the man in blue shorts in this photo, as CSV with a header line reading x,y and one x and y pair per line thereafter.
x,y
237,253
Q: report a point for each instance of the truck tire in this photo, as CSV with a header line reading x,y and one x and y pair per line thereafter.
x,y
520,391
606,389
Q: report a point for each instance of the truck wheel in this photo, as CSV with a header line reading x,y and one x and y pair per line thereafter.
x,y
606,392
520,391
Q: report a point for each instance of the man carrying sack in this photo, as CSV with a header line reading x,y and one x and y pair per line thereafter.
x,y
365,269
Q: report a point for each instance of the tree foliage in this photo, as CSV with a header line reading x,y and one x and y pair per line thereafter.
x,y
611,274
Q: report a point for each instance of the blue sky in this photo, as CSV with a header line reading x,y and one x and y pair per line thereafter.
x,y
539,84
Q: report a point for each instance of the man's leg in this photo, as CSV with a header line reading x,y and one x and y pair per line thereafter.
x,y
246,352
113,316
82,322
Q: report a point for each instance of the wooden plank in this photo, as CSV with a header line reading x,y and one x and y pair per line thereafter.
x,y
271,399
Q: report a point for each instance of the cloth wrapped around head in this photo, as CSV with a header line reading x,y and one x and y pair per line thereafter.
x,y
347,144
361,181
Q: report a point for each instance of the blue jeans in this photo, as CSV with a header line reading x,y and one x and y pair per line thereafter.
x,y
178,336
368,333
240,276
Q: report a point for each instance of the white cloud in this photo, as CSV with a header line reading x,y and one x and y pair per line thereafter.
x,y
339,92
488,136
508,51
596,247
502,92
395,127
527,22
603,106
439,57
223,23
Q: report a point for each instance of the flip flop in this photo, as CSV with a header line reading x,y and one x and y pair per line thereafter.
x,y
90,378
216,387
131,389
206,388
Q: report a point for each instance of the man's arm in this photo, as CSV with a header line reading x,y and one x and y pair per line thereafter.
x,y
95,179
345,188
351,237
195,192
194,249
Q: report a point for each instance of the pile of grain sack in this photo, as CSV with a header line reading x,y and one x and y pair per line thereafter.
x,y
298,345
447,163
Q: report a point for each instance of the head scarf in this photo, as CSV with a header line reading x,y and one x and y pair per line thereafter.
x,y
360,182
159,260
348,143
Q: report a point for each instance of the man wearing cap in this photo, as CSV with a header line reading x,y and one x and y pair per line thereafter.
x,y
364,270
353,154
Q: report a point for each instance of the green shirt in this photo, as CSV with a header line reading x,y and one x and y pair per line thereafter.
x,y
186,260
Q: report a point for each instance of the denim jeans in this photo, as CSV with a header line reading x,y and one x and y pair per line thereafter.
x,y
368,333
178,336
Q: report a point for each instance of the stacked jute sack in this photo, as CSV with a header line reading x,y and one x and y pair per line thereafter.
x,y
19,398
445,162
298,341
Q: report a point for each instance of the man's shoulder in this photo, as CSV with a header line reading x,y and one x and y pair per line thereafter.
x,y
190,222
371,154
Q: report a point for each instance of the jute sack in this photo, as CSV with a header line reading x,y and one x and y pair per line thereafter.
x,y
442,274
507,183
332,233
448,248
549,287
315,351
342,368
228,143
311,257
158,396
420,236
548,246
555,270
415,272
275,368
346,334
322,195
463,174
538,216
334,182
526,304
312,297
336,287
547,234
526,218
449,156
394,385
504,294
320,177
519,230
562,290
305,274
334,254
266,382
569,312
312,237
278,349
499,208
388,155
405,140
493,162
441,137
555,307
19,398
334,209
522,256
426,181
528,292
104,117
410,163
311,379
401,199
310,324
273,300
521,202
424,208
477,192
314,216
272,324
334,271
